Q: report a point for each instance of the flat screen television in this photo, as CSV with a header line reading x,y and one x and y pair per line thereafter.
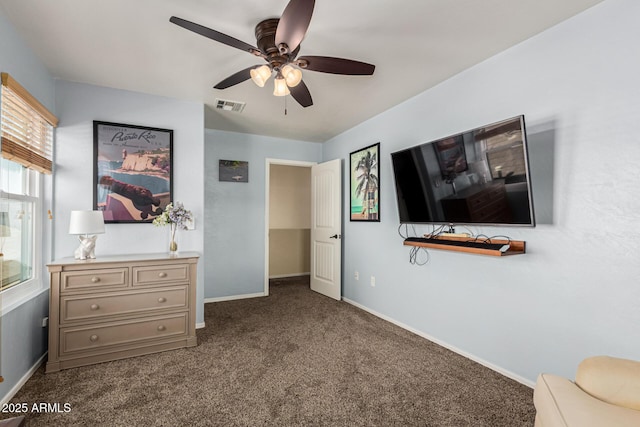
x,y
478,177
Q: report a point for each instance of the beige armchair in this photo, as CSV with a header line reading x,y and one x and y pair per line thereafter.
x,y
606,393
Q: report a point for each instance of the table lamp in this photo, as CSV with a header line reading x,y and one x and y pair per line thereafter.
x,y
85,223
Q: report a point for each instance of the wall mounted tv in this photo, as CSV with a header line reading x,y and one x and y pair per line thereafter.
x,y
476,177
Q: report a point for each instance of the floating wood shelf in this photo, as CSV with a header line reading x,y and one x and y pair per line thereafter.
x,y
517,247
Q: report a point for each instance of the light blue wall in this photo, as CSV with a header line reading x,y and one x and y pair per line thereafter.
x,y
24,340
235,212
17,59
575,292
77,106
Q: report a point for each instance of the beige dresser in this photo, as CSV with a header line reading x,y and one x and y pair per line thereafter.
x,y
115,307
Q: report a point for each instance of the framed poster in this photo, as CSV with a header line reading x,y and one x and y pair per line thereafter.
x,y
133,171
365,184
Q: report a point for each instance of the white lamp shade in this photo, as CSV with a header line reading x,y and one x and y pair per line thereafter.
x,y
280,87
260,75
292,75
86,222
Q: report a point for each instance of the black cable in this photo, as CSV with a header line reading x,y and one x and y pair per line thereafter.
x,y
435,232
415,250
483,238
406,231
502,236
413,256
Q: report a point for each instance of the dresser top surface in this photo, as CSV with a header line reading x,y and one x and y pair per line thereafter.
x,y
124,258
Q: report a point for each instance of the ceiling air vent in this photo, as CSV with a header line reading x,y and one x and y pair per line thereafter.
x,y
226,105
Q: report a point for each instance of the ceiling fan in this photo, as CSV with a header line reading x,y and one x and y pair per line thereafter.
x,y
278,43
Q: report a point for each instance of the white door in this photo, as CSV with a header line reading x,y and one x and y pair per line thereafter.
x,y
326,228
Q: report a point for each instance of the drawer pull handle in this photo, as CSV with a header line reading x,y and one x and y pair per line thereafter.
x,y
162,299
95,279
161,328
95,307
163,274
93,338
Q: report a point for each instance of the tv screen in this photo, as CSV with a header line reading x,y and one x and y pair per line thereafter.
x,y
477,177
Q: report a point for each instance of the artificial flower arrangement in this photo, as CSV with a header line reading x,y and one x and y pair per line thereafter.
x,y
175,216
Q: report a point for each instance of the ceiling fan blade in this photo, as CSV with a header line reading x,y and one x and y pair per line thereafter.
x,y
294,23
327,64
214,35
236,78
300,93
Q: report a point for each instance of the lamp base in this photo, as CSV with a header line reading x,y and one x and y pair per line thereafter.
x,y
87,247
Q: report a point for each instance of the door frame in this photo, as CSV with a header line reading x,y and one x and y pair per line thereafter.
x,y
268,163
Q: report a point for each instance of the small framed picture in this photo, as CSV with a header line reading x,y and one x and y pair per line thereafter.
x,y
233,171
365,184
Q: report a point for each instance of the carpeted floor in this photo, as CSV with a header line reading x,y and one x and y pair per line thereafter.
x,y
295,358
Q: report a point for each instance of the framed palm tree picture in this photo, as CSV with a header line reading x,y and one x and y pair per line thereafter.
x,y
365,184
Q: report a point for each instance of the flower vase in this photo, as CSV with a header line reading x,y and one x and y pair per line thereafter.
x,y
173,245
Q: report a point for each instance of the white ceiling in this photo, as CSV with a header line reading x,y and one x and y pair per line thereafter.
x,y
415,44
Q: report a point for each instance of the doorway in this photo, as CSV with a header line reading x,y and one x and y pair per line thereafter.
x,y
287,219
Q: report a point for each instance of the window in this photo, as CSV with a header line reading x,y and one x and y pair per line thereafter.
x,y
18,206
27,127
26,131
505,151
506,162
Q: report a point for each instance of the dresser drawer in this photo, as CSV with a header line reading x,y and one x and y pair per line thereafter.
x,y
160,274
111,278
479,199
78,307
84,338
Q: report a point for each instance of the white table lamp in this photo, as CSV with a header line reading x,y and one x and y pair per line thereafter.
x,y
85,223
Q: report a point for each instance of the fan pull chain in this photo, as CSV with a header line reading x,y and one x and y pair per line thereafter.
x,y
285,105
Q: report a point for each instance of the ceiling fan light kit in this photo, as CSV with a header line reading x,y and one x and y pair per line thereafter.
x,y
292,75
260,75
278,43
280,86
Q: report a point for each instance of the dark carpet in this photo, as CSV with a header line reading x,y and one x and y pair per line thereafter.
x,y
295,358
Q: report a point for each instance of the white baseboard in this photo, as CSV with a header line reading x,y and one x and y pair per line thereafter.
x,y
283,276
200,325
233,297
6,398
470,356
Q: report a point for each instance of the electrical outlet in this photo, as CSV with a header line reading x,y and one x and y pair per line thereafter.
x,y
356,275
191,225
373,281
45,322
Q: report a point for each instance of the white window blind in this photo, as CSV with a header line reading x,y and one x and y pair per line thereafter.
x,y
26,127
